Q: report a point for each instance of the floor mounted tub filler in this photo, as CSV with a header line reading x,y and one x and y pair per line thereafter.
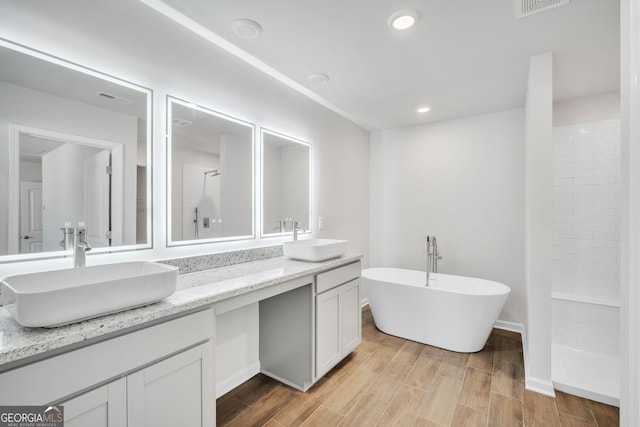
x,y
453,312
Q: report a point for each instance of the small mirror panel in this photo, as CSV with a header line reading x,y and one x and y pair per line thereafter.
x,y
285,184
211,175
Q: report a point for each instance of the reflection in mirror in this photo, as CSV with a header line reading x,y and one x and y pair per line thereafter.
x,y
74,150
211,175
285,183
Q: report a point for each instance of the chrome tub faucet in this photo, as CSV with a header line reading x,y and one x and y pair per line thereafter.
x,y
433,256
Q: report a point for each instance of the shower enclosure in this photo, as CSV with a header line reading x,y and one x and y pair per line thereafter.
x,y
586,260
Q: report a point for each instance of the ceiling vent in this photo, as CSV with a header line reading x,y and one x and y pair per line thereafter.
x,y
525,8
181,123
110,97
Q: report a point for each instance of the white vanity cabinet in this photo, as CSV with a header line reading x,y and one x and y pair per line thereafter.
x,y
307,330
158,376
338,316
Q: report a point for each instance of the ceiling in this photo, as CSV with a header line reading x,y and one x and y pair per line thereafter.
x,y
463,58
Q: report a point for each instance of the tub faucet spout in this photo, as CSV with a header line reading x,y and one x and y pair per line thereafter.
x,y
432,257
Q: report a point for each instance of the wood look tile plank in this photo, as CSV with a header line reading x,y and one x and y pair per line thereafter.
x,y
540,410
403,410
380,358
347,366
434,351
505,412
483,359
574,405
324,417
454,365
408,353
228,407
421,422
567,420
263,410
350,391
254,389
423,373
476,389
441,401
367,412
301,408
507,380
394,341
605,415
388,383
468,417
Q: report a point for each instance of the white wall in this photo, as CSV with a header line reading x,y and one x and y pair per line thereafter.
x,y
462,181
236,184
538,208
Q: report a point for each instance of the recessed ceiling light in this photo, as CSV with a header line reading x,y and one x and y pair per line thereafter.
x,y
423,109
403,19
246,28
318,78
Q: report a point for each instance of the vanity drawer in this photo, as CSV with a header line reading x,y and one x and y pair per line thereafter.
x,y
332,278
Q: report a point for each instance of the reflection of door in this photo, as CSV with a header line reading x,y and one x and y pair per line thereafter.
x,y
97,208
30,217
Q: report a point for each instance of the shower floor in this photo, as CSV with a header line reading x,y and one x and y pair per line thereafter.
x,y
582,373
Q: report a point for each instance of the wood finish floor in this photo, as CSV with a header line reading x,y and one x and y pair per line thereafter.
x,y
389,381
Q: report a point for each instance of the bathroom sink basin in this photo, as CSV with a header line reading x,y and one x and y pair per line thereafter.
x,y
314,250
57,298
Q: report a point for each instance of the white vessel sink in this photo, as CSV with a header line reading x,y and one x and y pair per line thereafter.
x,y
56,298
314,250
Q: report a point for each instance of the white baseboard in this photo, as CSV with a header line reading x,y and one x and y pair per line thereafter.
x,y
534,384
236,379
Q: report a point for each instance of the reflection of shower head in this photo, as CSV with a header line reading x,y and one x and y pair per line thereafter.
x,y
213,172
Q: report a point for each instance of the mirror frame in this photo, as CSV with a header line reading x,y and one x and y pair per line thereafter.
x,y
9,258
263,232
169,168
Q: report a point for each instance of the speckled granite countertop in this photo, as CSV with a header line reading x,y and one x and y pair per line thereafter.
x,y
194,290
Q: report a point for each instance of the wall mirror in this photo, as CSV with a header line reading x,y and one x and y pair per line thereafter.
x,y
285,183
210,176
74,150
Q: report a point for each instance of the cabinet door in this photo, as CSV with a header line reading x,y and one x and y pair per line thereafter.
x,y
328,337
105,406
350,316
178,391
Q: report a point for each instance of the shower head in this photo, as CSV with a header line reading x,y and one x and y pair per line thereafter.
x,y
213,172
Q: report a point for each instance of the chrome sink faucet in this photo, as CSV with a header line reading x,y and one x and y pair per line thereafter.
x,y
433,256
80,247
296,229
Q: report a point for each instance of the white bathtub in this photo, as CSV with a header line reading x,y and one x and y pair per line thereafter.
x,y
454,312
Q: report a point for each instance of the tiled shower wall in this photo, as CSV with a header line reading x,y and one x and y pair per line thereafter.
x,y
586,244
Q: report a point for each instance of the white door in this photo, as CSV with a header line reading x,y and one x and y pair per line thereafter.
x,y
328,333
178,391
97,204
105,406
30,217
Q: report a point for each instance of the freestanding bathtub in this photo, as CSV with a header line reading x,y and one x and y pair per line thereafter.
x,y
454,312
